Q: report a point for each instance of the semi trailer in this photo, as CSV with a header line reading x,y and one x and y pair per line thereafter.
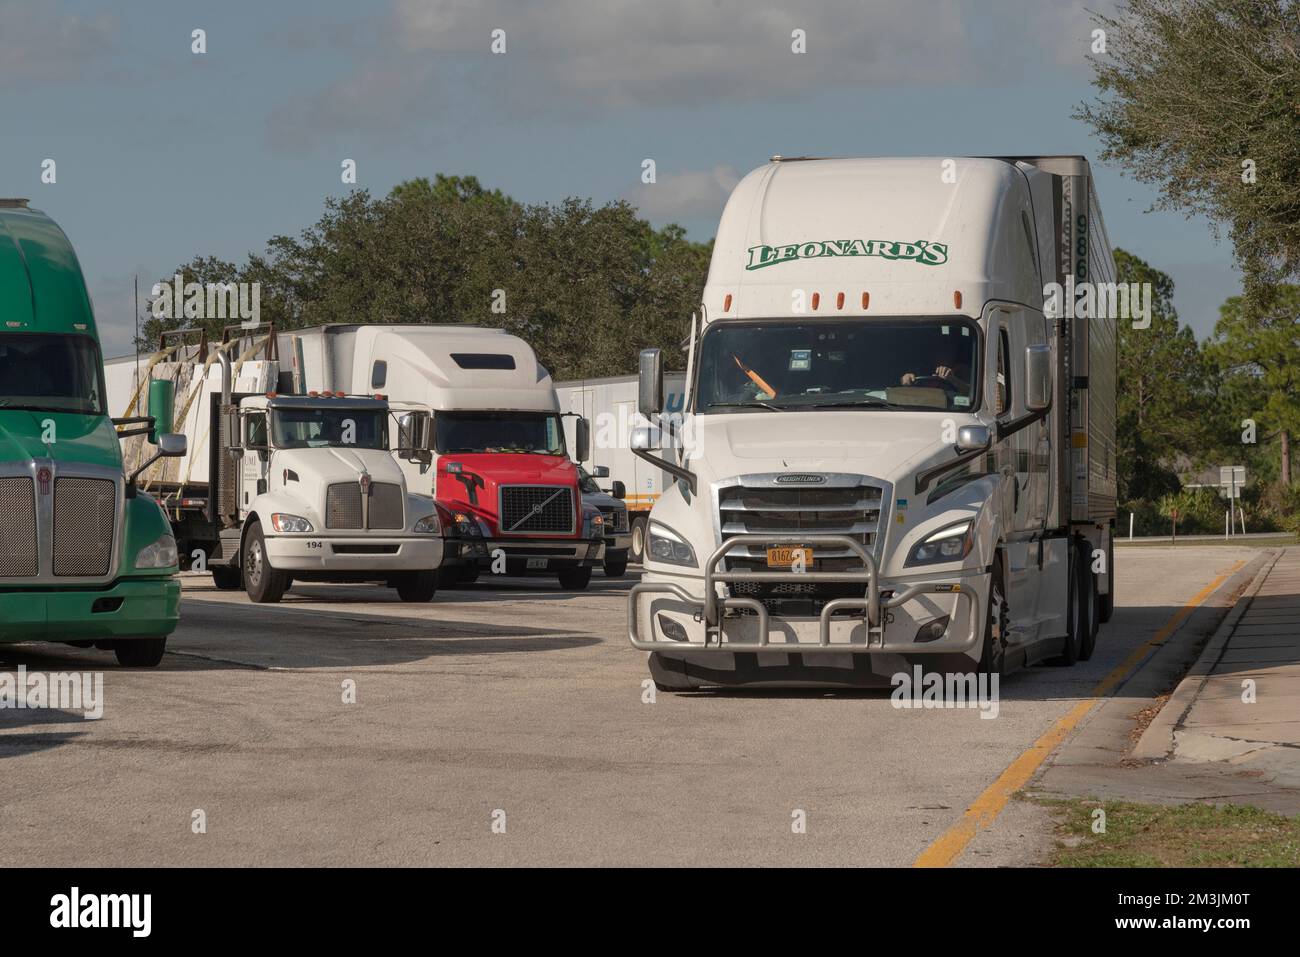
x,y
282,486
498,466
86,558
898,446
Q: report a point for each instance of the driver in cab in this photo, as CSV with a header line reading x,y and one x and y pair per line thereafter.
x,y
953,365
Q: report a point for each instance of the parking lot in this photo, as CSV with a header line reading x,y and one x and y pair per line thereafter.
x,y
505,723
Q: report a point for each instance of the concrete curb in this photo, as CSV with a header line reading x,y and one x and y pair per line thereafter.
x,y
1157,741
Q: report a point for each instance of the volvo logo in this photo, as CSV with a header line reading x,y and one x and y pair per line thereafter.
x,y
800,478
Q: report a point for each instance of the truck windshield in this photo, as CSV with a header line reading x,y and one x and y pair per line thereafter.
x,y
538,433
331,427
839,364
45,372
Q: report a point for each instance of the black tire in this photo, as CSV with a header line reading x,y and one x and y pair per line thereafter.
x,y
993,652
1106,602
1078,604
637,551
416,586
140,652
575,577
448,577
468,575
226,577
1092,605
263,584
616,567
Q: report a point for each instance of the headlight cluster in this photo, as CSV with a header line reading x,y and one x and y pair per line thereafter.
x,y
665,545
463,525
284,522
950,544
595,525
161,554
429,525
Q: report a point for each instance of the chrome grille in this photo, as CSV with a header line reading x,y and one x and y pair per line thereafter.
x,y
85,515
385,505
343,505
17,527
851,510
536,509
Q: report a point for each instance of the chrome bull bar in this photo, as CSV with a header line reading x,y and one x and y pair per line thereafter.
x,y
710,609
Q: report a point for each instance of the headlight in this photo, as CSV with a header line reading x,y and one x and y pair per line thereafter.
x,y
284,522
950,544
667,546
596,525
161,554
463,525
429,524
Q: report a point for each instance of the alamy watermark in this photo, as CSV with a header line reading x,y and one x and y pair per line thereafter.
x,y
923,690
64,691
179,299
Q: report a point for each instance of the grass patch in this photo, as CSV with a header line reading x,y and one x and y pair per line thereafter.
x,y
1185,835
1277,541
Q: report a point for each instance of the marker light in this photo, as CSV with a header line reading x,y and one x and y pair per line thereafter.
x,y
956,298
816,300
839,301
726,303
866,299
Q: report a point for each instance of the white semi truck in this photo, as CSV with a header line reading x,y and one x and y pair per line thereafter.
x,y
279,486
610,405
898,444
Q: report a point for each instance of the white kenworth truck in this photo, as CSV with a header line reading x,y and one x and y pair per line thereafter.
x,y
279,487
898,447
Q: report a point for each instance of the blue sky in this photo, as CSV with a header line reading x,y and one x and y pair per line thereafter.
x,y
163,154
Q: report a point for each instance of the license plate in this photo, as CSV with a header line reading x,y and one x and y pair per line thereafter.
x,y
783,556
535,563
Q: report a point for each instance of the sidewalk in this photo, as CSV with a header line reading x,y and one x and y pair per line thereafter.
x,y
1209,743
1239,707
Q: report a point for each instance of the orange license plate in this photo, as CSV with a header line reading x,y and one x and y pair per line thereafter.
x,y
784,556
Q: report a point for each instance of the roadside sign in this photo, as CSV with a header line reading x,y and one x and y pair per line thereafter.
x,y
1232,479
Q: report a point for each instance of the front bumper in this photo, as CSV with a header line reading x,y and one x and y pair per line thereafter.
x,y
670,617
528,554
361,553
618,543
130,608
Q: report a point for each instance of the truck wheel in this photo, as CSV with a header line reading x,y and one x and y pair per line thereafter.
x,y
1092,605
994,651
264,584
637,551
1076,606
468,575
140,652
1106,602
227,577
416,586
616,566
575,577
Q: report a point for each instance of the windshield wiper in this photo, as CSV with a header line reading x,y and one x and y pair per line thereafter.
x,y
748,405
6,404
852,404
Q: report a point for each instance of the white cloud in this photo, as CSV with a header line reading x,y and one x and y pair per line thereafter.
x,y
686,195
37,42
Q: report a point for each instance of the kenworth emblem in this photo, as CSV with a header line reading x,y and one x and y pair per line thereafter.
x,y
800,478
922,251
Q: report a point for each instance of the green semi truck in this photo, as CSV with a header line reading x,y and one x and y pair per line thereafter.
x,y
85,558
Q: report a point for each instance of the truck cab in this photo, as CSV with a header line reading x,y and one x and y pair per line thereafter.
x,y
85,557
321,498
891,453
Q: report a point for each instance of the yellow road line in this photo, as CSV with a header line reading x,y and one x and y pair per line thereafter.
x,y
982,813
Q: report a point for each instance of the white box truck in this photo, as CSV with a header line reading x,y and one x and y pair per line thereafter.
x,y
896,451
609,404
276,486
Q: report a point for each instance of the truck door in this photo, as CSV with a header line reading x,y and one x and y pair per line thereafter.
x,y
1022,520
252,467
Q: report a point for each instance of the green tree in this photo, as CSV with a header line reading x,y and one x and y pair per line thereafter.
x,y
1257,347
1163,390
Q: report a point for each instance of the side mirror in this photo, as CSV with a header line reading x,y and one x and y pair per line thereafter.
x,y
644,438
582,439
618,490
162,407
600,471
973,438
1038,378
172,445
650,400
230,426
414,432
